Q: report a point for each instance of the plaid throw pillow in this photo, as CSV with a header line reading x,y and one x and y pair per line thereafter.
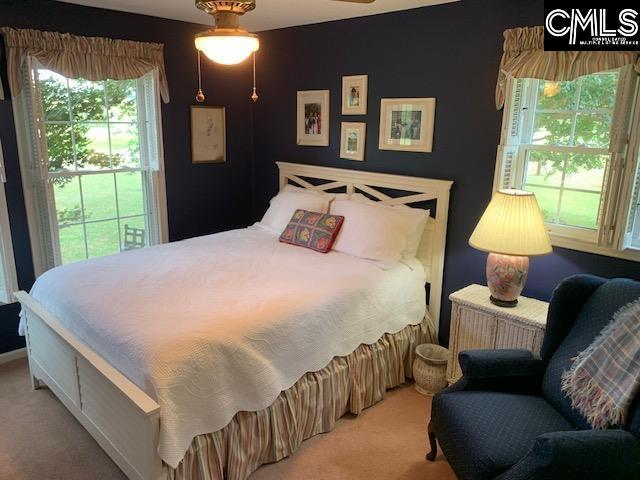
x,y
313,230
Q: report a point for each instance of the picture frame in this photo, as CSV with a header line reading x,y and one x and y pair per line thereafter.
x,y
406,124
353,140
208,134
313,118
354,94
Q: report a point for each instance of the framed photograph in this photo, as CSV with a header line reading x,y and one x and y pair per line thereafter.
x,y
208,134
313,118
354,95
352,140
406,124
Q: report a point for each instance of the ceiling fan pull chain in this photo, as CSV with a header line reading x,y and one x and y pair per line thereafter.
x,y
199,94
254,95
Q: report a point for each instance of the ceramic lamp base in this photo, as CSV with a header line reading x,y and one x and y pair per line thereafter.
x,y
506,276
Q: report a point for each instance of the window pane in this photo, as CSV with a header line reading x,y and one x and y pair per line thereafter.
x,y
592,130
87,100
124,145
545,168
103,238
92,146
130,194
67,196
544,178
99,196
580,202
133,233
54,94
59,147
598,91
121,95
552,129
71,243
556,95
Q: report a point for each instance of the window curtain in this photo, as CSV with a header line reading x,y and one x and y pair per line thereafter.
x,y
524,57
92,58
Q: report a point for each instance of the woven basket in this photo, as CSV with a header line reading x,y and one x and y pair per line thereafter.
x,y
430,368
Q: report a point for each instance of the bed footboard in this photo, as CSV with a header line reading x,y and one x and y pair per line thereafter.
x,y
121,417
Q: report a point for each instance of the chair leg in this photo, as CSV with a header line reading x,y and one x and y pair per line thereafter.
x,y
431,456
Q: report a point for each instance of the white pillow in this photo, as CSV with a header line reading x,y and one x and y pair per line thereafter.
x,y
416,216
377,232
285,203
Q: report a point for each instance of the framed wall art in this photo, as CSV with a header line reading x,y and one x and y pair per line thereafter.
x,y
354,95
406,124
352,140
208,134
313,118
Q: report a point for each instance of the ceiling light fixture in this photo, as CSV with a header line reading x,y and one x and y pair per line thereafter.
x,y
227,43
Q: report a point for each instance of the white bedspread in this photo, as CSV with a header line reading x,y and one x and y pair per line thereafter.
x,y
223,323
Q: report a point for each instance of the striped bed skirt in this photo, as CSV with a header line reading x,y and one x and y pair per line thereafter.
x,y
311,406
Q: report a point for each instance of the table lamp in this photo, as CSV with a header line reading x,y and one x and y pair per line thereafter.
x,y
511,230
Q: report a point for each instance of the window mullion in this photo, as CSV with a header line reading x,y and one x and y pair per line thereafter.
x,y
561,192
574,113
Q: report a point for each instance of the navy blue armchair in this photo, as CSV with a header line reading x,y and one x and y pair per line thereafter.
x,y
507,417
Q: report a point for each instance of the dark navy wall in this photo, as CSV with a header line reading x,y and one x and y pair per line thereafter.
x,y
450,52
201,198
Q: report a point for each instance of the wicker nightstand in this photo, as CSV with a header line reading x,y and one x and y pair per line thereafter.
x,y
477,323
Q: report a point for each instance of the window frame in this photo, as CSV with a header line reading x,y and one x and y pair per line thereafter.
x,y
618,184
9,280
38,191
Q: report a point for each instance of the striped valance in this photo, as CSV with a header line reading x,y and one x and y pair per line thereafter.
x,y
92,58
524,57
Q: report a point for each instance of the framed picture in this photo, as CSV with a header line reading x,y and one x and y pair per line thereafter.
x,y
352,140
354,95
406,124
313,118
208,134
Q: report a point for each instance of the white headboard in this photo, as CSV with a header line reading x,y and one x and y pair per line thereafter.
x,y
414,190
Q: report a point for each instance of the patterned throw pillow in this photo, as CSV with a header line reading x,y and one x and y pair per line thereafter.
x,y
313,230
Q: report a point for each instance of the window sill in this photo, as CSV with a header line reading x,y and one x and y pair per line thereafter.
x,y
587,247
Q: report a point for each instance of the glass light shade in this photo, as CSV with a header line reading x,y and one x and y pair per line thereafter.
x,y
227,48
512,224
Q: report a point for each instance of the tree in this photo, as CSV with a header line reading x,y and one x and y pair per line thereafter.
x,y
87,102
591,128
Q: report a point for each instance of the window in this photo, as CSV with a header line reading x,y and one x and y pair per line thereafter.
x,y
8,280
96,157
574,144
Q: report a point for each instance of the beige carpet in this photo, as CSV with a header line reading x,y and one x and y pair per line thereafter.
x,y
41,440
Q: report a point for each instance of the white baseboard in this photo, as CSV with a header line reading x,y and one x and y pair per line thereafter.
x,y
13,355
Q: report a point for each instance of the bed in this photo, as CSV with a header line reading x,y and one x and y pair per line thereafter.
x,y
129,343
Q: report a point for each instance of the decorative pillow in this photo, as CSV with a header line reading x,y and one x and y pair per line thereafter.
x,y
285,203
313,230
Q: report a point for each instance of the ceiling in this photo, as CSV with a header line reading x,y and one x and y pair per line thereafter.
x,y
269,14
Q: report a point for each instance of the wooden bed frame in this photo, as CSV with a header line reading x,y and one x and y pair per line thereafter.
x,y
119,415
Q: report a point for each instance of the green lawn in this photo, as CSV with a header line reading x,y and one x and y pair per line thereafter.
x,y
578,209
101,206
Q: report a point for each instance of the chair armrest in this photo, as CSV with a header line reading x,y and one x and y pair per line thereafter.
x,y
511,370
583,454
